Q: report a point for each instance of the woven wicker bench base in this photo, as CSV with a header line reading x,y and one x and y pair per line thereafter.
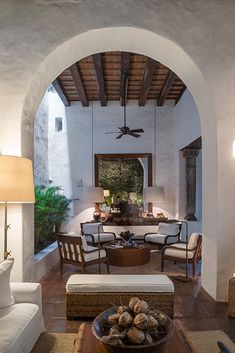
x,y
91,304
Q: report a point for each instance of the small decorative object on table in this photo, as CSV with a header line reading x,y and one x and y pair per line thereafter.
x,y
126,236
161,215
231,297
134,327
96,215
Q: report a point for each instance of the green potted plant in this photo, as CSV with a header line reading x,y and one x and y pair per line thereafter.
x,y
51,209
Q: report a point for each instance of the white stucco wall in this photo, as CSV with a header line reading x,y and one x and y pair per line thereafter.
x,y
41,173
187,128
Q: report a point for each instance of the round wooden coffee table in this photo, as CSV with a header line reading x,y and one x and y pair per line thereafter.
x,y
128,256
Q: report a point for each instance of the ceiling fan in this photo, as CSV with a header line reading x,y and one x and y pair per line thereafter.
x,y
125,130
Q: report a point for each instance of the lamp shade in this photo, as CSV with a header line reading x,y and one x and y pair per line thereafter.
x,y
94,194
133,196
106,193
154,194
16,180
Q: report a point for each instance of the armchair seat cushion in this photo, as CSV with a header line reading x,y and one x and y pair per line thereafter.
x,y
94,255
104,237
159,238
179,253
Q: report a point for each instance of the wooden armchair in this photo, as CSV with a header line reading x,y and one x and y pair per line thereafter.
x,y
167,233
74,250
177,252
95,234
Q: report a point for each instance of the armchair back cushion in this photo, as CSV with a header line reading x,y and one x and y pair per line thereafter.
x,y
83,239
192,244
168,229
92,228
6,299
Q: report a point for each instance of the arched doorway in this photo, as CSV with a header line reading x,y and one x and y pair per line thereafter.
x,y
170,54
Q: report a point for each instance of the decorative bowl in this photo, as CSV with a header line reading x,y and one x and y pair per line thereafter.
x,y
99,328
126,236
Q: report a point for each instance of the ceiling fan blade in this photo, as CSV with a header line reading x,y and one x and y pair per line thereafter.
x,y
132,134
112,132
136,130
119,136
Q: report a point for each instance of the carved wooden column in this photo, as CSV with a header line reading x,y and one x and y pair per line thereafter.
x,y
190,156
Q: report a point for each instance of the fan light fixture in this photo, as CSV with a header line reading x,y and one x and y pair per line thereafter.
x,y
125,130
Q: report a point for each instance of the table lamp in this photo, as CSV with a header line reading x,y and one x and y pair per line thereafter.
x,y
154,194
95,195
16,186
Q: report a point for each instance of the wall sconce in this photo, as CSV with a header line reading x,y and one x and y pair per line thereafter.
x,y
79,183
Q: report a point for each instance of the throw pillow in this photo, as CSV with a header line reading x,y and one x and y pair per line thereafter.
x,y
6,299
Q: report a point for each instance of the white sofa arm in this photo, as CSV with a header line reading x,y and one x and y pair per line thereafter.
x,y
26,292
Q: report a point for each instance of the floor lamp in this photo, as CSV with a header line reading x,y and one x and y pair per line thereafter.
x,y
16,186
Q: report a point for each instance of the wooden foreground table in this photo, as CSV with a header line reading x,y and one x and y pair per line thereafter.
x,y
87,343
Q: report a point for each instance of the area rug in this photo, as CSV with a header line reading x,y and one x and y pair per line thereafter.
x,y
55,343
206,341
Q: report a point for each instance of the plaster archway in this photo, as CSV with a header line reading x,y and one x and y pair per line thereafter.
x,y
170,54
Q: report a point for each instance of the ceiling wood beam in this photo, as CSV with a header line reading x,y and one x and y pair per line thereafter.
x,y
166,88
97,59
148,76
125,64
180,94
61,91
79,85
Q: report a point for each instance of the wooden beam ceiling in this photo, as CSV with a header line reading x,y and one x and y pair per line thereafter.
x,y
125,64
148,76
74,70
97,59
61,92
166,88
180,94
98,78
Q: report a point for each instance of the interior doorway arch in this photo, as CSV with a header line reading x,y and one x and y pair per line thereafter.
x,y
170,54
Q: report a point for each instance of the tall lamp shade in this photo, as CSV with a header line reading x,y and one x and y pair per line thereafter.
x,y
94,194
154,194
106,193
16,185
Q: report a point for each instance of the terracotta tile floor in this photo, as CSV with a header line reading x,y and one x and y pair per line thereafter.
x,y
194,309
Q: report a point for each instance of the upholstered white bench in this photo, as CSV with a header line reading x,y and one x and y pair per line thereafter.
x,y
88,295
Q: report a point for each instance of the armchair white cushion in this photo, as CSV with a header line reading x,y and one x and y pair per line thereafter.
x,y
168,228
94,255
22,323
192,245
83,238
104,237
164,231
94,232
159,238
90,228
179,253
